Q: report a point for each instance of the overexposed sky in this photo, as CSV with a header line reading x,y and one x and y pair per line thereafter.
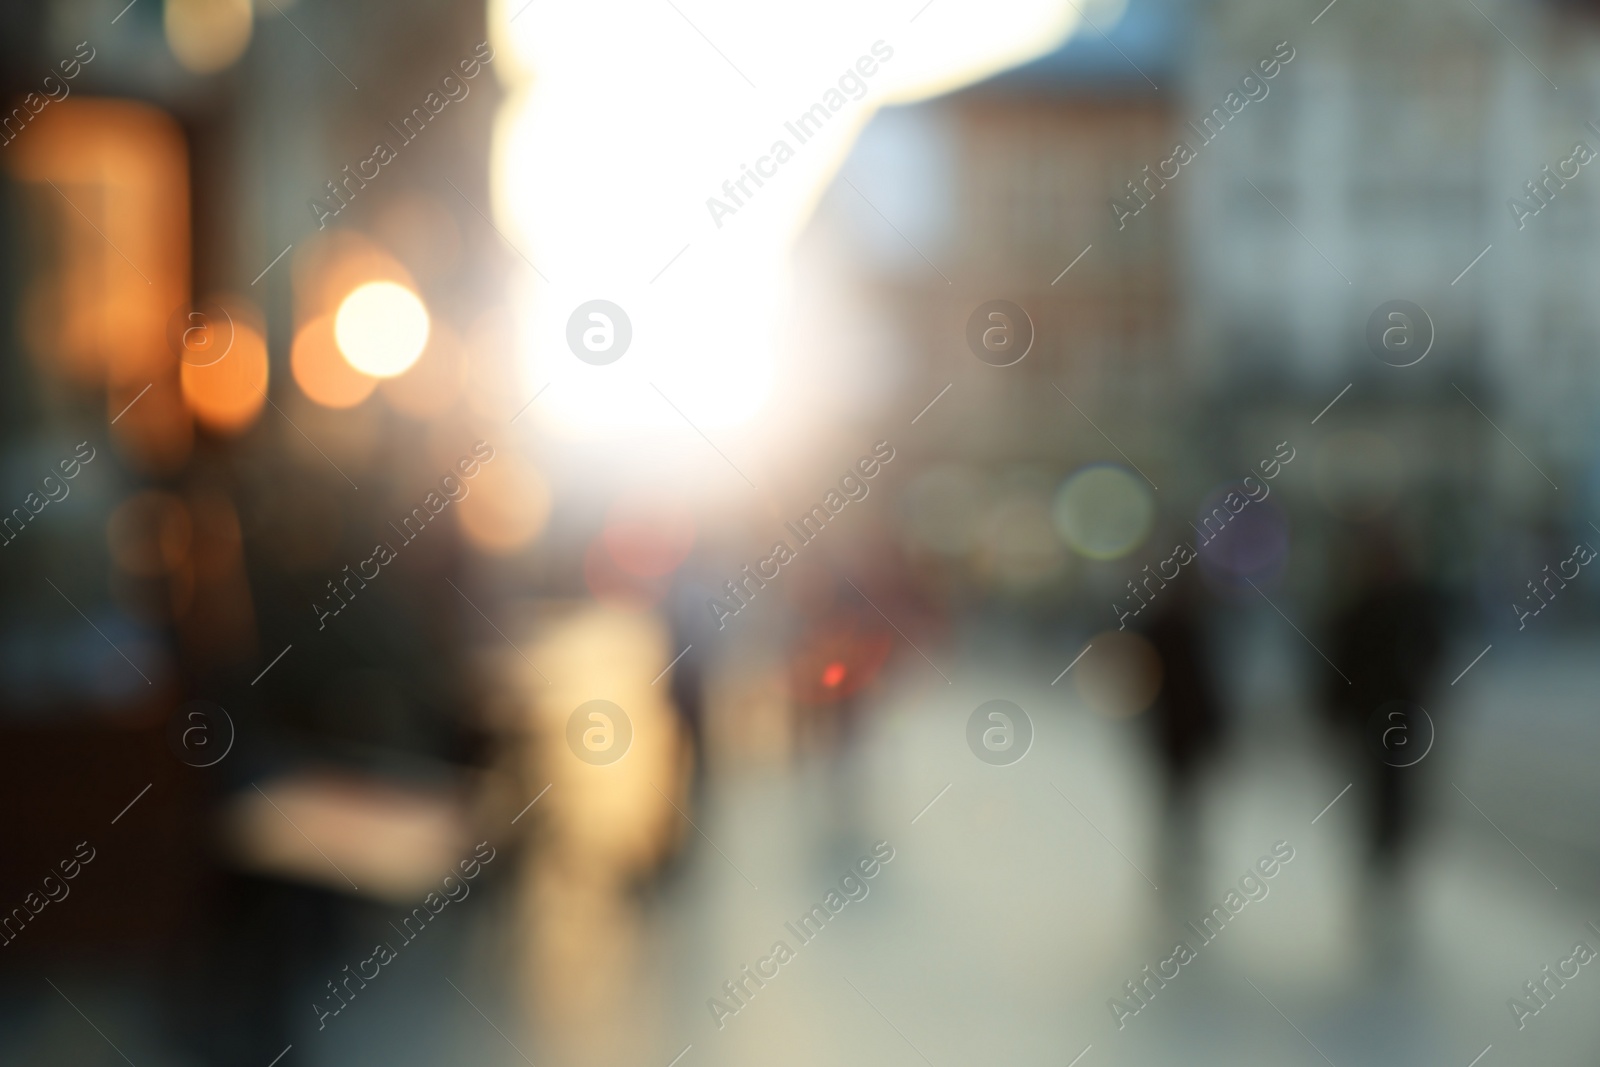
x,y
626,118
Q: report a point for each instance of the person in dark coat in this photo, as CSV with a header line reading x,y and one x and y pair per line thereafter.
x,y
1186,720
1387,640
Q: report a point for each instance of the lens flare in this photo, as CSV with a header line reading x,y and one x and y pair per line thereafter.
x,y
320,373
226,396
1122,676
508,507
206,36
1254,543
1103,512
381,328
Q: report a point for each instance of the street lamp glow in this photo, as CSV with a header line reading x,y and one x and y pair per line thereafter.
x,y
381,328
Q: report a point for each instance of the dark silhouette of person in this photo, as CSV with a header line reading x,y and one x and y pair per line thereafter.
x,y
1186,721
1386,639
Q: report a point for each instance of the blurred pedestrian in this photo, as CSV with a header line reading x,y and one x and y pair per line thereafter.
x,y
1187,723
1387,639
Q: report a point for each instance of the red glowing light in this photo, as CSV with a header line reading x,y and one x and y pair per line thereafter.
x,y
837,656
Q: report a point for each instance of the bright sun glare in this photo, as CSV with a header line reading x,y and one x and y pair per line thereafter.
x,y
622,122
